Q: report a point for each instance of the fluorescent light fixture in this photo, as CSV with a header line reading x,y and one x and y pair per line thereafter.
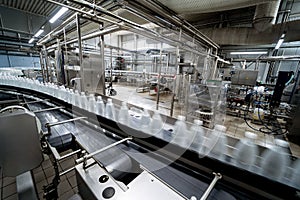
x,y
157,55
279,43
58,14
126,56
31,40
248,52
38,33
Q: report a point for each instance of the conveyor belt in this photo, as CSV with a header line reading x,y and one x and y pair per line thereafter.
x,y
88,138
92,140
184,179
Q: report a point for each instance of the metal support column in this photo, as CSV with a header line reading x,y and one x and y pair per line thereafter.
x,y
102,62
46,63
42,67
159,76
80,53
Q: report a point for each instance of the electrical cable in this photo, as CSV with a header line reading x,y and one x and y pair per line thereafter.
x,y
271,131
245,119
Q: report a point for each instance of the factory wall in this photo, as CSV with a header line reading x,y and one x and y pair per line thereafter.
x,y
19,61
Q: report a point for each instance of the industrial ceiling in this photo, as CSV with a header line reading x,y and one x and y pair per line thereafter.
x,y
236,22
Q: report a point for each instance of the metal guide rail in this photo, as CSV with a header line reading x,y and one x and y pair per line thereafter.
x,y
238,182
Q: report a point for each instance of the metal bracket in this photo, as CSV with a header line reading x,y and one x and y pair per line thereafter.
x,y
49,125
37,101
86,157
48,109
217,177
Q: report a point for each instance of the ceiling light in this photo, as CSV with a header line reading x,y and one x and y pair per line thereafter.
x,y
279,43
58,14
125,56
38,33
248,52
31,40
158,55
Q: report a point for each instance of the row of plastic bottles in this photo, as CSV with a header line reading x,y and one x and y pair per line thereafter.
x,y
274,161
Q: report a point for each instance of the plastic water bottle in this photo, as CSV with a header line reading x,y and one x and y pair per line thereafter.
x,y
145,120
100,107
156,124
83,101
110,110
180,132
218,142
296,174
246,151
135,118
92,103
197,133
76,98
275,160
123,116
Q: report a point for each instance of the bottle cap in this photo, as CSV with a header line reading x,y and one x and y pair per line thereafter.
x,y
82,93
99,98
181,118
109,100
250,135
220,128
198,122
91,95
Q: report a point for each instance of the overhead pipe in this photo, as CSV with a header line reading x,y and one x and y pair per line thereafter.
x,y
265,15
59,28
174,19
142,31
151,18
109,30
106,12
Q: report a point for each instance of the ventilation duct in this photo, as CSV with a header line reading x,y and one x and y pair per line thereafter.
x,y
265,15
207,6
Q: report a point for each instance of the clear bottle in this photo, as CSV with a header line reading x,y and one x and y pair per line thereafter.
x,y
246,151
145,120
218,143
156,124
92,103
275,160
180,132
83,101
71,93
197,132
135,118
123,116
100,107
76,98
110,110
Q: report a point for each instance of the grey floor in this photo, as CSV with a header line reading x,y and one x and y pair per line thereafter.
x,y
43,175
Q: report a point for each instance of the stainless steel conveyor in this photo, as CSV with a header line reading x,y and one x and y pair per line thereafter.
x,y
188,175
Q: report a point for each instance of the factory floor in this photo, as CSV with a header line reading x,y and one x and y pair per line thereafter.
x,y
43,175
236,126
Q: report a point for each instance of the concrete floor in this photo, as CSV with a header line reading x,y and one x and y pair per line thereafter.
x,y
236,126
